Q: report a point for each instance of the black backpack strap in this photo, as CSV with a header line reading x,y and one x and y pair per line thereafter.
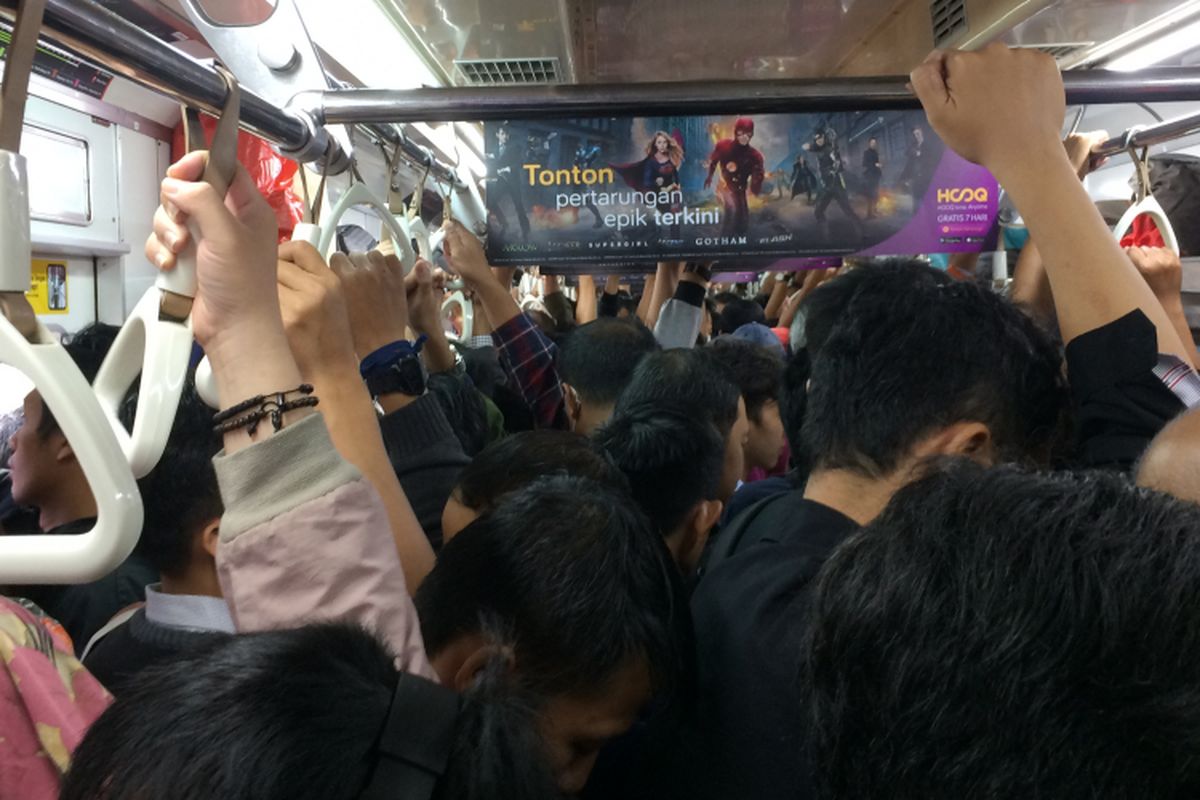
x,y
414,747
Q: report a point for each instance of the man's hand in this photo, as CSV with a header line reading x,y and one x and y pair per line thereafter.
x,y
464,253
314,311
1162,270
424,304
374,287
995,106
235,257
1079,151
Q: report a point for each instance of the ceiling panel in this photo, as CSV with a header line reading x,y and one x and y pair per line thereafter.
x,y
1079,21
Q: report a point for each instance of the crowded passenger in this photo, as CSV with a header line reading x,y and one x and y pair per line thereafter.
x,y
829,536
47,476
184,608
1008,634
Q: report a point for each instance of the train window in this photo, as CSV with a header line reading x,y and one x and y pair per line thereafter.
x,y
60,185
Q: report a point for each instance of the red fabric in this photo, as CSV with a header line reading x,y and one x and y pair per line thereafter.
x,y
271,173
1143,233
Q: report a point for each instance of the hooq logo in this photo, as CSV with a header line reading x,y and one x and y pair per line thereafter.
x,y
963,195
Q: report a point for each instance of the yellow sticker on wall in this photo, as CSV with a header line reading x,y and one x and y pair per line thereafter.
x,y
48,287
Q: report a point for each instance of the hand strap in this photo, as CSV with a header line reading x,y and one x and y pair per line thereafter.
x,y
18,63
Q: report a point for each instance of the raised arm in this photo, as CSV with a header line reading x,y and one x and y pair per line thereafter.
x,y
1092,280
1031,287
1164,275
586,304
304,536
528,353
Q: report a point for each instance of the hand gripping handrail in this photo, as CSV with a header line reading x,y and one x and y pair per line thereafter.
x,y
359,195
156,340
28,346
1146,203
321,237
457,297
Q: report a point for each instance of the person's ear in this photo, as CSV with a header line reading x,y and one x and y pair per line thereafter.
x,y
971,440
574,404
63,452
477,661
210,536
694,537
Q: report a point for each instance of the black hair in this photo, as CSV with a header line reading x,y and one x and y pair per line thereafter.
x,y
598,358
829,302
518,416
722,298
689,380
290,715
757,371
180,494
574,570
520,459
910,354
739,312
793,403
997,633
464,408
87,348
672,460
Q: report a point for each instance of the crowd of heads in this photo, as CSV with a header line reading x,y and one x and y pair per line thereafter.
x,y
994,618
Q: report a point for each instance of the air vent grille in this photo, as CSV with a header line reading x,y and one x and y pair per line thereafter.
x,y
507,71
949,19
1062,50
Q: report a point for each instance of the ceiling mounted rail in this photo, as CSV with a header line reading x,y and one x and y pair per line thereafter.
x,y
112,43
727,97
1151,135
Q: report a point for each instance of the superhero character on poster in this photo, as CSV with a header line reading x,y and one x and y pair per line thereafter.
x,y
504,174
586,157
741,171
872,175
825,150
803,179
658,171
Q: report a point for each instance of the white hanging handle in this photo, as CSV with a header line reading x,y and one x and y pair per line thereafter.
x,y
467,206
158,349
87,556
359,195
457,298
156,340
419,231
1153,209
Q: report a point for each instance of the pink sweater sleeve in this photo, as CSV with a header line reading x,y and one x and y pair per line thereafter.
x,y
305,538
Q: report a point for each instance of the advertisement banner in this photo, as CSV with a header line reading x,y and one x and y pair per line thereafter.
x,y
763,188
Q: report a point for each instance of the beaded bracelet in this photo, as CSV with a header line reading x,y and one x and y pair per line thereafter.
x,y
258,400
273,405
269,409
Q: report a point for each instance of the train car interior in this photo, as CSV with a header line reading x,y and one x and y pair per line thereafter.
x,y
471,399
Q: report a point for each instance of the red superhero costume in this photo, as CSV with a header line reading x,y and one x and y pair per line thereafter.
x,y
741,169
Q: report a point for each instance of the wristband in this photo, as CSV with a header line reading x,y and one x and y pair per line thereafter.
x,y
389,354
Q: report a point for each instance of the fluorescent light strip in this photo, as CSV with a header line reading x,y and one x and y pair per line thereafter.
x,y
1158,50
1144,34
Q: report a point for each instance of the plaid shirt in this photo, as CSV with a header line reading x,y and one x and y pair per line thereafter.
x,y
528,356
